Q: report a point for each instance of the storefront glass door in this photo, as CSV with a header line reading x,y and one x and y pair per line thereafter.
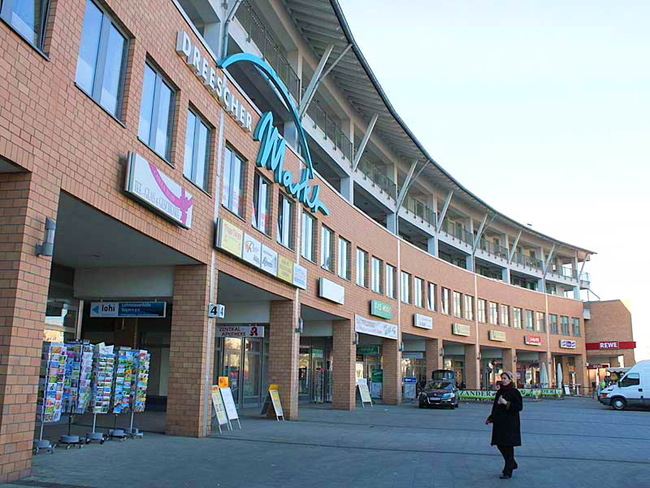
x,y
242,363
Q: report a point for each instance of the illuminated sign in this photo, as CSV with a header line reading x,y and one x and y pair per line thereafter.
x,y
497,335
381,309
533,340
604,345
460,329
567,344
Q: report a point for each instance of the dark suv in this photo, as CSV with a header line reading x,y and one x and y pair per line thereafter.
x,y
439,393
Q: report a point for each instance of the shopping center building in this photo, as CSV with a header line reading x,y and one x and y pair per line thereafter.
x,y
182,153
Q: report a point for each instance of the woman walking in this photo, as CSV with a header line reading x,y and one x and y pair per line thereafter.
x,y
504,418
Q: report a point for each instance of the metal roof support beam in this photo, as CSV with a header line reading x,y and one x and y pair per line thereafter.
x,y
582,268
547,263
409,180
231,6
443,213
511,254
364,142
481,229
319,76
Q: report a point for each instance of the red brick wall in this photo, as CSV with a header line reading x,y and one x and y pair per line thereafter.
x,y
611,320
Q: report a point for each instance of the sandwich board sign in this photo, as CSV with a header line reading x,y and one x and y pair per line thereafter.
x,y
229,404
362,384
219,408
273,399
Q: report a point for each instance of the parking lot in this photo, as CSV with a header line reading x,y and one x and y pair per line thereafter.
x,y
574,442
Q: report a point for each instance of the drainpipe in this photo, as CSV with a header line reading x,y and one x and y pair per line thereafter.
x,y
230,14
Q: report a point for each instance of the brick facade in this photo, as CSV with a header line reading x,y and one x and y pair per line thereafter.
x,y
344,379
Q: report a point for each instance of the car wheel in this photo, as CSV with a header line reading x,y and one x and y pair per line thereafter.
x,y
619,403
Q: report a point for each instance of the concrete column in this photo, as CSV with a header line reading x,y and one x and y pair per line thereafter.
x,y
25,201
472,367
343,369
432,245
392,364
433,355
509,362
391,222
505,275
212,35
284,344
191,354
347,189
469,263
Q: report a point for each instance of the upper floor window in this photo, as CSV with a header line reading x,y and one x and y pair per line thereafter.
x,y
156,111
233,182
505,315
197,143
261,203
565,325
326,255
344,259
375,272
529,320
27,17
362,260
405,287
540,322
576,326
390,281
285,221
552,319
417,291
102,58
516,318
444,299
432,298
469,307
457,306
481,310
494,313
307,236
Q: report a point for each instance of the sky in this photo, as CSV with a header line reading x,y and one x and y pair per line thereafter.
x,y
539,108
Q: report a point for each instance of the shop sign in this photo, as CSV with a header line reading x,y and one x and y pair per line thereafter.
x,y
605,345
239,331
460,329
412,355
497,335
285,269
375,327
533,340
216,85
269,260
230,238
369,350
252,251
153,310
146,183
381,309
300,276
331,291
567,344
422,321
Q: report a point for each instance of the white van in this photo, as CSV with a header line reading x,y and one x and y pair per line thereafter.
x,y
633,389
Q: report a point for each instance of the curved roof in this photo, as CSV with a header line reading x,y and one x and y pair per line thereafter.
x,y
322,24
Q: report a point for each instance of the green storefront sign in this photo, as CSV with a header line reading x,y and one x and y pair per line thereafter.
x,y
371,350
381,309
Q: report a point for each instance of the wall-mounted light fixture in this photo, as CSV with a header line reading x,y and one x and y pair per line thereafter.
x,y
355,340
442,353
514,359
47,247
300,326
401,346
479,356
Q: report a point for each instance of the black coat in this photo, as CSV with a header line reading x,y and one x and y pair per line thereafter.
x,y
505,419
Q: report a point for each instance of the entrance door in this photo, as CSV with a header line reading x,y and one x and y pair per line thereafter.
x,y
232,359
252,372
242,364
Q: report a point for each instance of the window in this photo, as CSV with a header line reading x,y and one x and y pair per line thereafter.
x,y
418,283
505,315
529,320
469,307
565,325
390,281
552,318
481,310
457,304
261,203
307,236
444,306
362,259
233,182
285,221
101,59
27,17
197,142
405,287
376,275
326,238
631,379
576,326
156,112
433,297
494,313
540,322
344,259
516,318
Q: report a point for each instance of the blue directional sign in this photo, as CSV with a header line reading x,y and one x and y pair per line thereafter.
x,y
155,310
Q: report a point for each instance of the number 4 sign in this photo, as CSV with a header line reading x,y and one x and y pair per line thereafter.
x,y
216,311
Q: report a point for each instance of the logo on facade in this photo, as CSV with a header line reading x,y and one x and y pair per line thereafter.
x,y
567,344
381,309
533,340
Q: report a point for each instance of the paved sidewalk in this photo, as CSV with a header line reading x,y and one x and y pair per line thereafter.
x,y
567,443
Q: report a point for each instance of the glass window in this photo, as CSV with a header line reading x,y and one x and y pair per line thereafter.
x,y
494,313
101,59
285,221
233,182
197,142
481,310
552,318
505,315
565,325
155,124
344,259
457,304
417,291
362,260
261,203
516,318
529,320
469,307
326,238
376,275
28,17
576,326
631,379
444,306
540,322
307,236
405,287
390,281
433,297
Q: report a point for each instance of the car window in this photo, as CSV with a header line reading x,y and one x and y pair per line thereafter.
x,y
439,385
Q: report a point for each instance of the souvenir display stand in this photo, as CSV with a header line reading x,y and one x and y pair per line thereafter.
x,y
102,381
76,387
123,382
141,359
50,390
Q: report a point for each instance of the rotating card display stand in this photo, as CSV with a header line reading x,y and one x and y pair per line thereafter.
x,y
102,381
123,388
76,388
50,390
141,359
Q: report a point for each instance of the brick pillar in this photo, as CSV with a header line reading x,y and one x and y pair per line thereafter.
x,y
344,380
433,355
191,354
509,364
472,367
284,344
392,364
581,378
25,201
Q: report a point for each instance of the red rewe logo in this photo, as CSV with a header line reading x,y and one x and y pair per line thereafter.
x,y
609,345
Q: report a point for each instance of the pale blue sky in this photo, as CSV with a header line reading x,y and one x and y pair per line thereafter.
x,y
540,108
